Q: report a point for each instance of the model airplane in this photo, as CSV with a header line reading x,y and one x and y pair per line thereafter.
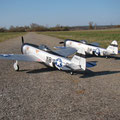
x,y
92,48
57,58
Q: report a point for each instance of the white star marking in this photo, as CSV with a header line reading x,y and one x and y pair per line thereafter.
x,y
58,63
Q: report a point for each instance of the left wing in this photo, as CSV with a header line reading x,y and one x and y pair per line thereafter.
x,y
19,57
65,51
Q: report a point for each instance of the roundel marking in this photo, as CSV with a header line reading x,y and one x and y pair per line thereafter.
x,y
97,51
58,62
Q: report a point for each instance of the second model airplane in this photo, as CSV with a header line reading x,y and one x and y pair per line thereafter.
x,y
57,58
92,48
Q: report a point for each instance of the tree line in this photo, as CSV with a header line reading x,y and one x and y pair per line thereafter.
x,y
40,28
33,28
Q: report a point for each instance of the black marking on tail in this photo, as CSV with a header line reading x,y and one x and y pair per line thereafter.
x,y
113,45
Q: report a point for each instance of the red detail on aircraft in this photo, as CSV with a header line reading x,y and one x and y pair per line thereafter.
x,y
38,60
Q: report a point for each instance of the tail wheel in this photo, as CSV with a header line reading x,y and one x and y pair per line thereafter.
x,y
71,73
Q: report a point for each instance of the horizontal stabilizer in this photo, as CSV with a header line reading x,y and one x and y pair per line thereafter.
x,y
90,64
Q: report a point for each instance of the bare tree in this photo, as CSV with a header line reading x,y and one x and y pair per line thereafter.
x,y
3,29
90,25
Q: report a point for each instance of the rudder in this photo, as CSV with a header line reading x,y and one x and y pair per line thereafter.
x,y
79,59
113,47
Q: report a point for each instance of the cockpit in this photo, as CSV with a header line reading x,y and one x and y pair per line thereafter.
x,y
44,48
83,41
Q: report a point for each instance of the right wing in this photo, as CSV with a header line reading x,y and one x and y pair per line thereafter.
x,y
20,57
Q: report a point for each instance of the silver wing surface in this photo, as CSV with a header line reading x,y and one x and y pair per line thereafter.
x,y
19,57
65,51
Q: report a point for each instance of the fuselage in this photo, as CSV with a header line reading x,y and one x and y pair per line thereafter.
x,y
89,49
46,57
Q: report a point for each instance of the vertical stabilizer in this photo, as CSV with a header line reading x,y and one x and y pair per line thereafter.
x,y
113,47
79,59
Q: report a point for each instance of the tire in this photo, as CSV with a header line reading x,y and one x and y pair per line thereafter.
x,y
16,67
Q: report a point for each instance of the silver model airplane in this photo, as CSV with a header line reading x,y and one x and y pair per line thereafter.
x,y
92,48
57,58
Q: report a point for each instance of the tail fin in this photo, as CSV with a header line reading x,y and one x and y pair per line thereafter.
x,y
79,59
113,47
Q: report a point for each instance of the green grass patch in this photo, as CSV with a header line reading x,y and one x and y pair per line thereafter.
x,y
8,35
104,37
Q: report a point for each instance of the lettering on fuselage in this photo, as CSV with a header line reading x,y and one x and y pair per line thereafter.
x,y
48,60
89,50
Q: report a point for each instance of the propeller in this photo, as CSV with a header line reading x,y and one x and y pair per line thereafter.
x,y
22,40
61,42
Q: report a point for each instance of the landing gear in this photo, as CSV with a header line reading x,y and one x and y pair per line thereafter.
x,y
71,73
16,66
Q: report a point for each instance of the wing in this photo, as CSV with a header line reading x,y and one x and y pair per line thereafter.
x,y
65,51
19,57
95,44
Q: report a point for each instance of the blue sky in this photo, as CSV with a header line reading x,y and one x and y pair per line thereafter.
x,y
63,12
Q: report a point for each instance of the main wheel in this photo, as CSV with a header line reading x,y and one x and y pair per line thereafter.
x,y
16,67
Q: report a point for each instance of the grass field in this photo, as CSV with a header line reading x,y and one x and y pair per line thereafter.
x,y
9,35
104,37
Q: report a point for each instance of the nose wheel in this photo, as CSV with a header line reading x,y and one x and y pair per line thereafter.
x,y
16,66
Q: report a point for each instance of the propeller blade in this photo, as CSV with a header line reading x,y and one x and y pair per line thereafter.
x,y
22,40
61,42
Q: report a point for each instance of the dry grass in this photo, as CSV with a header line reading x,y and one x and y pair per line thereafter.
x,y
9,35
